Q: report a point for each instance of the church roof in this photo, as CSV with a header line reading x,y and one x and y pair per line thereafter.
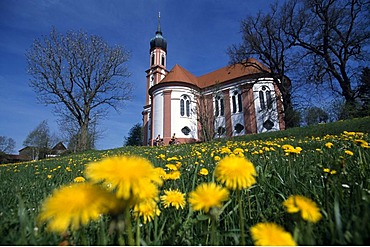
x,y
228,73
179,74
231,72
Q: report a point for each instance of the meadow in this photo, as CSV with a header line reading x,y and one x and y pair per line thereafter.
x,y
327,165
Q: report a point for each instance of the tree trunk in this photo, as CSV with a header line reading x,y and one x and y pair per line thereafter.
x,y
83,142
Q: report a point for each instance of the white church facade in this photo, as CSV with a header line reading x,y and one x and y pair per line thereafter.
x,y
231,101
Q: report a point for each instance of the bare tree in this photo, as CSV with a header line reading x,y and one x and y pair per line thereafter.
x,y
80,75
263,38
332,36
40,140
7,145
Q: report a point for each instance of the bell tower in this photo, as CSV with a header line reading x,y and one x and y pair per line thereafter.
x,y
156,72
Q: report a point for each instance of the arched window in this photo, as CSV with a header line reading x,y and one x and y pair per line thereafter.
x,y
182,107
153,59
236,99
162,60
185,106
219,106
265,98
269,99
262,100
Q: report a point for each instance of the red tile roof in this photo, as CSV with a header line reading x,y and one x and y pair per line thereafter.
x,y
225,74
179,74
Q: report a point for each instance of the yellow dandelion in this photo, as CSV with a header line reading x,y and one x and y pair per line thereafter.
x,y
173,198
203,172
350,153
307,208
172,158
160,172
206,196
126,175
147,209
271,234
174,175
75,205
79,180
329,145
236,173
225,150
217,158
238,151
172,167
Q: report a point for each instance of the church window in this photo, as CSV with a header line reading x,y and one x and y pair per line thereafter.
x,y
238,128
188,108
262,100
269,99
182,107
236,99
265,98
162,60
186,130
153,59
219,106
221,131
185,106
268,124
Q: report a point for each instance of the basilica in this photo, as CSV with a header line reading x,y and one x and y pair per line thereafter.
x,y
231,101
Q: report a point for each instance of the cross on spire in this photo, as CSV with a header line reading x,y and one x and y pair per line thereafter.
x,y
159,24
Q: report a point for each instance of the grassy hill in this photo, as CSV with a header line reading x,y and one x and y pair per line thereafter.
x,y
327,164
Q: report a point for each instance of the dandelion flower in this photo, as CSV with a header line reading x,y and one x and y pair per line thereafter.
x,y
271,234
160,171
329,145
79,180
126,175
174,175
307,208
173,198
236,173
172,167
75,205
147,209
203,172
350,153
362,143
207,196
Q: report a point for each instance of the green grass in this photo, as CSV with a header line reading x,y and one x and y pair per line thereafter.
x,y
343,198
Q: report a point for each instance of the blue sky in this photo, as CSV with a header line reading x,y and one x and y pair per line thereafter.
x,y
198,34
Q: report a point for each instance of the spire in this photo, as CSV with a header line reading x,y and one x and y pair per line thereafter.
x,y
158,41
159,24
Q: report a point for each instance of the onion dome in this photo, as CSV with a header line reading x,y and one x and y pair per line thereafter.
x,y
158,41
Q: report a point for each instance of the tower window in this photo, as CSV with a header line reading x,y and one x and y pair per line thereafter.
x,y
162,60
153,59
185,106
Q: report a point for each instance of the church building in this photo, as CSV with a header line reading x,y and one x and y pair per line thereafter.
x,y
231,101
